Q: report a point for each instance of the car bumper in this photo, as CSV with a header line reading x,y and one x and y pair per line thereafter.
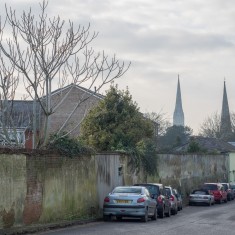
x,y
131,211
199,201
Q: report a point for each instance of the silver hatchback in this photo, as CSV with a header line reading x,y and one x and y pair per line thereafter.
x,y
201,196
130,201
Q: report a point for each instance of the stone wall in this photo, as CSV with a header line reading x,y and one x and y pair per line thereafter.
x,y
187,172
40,190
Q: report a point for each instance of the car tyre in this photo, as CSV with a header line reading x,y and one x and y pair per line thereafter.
x,y
119,218
106,218
226,200
154,217
145,217
168,214
176,211
161,213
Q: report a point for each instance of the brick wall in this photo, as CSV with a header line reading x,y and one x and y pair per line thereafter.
x,y
43,189
70,97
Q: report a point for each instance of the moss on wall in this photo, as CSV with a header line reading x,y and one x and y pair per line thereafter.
x,y
49,188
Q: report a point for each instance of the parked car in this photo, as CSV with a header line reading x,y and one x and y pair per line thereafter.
x,y
228,189
130,201
218,191
201,196
158,192
173,200
179,199
232,187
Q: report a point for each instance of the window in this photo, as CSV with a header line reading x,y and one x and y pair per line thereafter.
x,y
127,190
147,193
15,137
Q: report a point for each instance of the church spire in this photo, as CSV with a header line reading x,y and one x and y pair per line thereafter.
x,y
178,117
225,124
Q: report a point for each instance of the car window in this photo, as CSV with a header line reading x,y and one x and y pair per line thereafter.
x,y
199,192
210,186
168,191
147,192
225,186
232,186
127,190
153,189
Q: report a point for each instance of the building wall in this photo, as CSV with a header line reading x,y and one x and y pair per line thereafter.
x,y
70,98
44,189
232,167
187,172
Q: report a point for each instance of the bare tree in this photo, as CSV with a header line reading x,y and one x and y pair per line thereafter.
x,y
211,126
160,120
46,51
8,84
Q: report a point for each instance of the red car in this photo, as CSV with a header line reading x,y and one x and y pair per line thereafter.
x,y
218,191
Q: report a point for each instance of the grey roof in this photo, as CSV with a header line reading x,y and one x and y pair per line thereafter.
x,y
19,113
209,144
90,92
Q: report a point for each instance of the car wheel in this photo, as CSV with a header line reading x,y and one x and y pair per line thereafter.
x,y
106,217
154,217
119,218
176,211
161,213
168,214
226,200
145,217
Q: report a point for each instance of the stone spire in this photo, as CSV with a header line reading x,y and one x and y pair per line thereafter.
x,y
178,117
225,123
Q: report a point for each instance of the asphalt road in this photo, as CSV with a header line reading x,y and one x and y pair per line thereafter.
x,y
193,220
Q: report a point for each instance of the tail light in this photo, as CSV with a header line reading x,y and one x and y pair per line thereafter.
x,y
172,198
140,200
107,199
159,200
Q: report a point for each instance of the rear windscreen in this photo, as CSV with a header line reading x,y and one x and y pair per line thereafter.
x,y
225,186
168,191
127,190
153,189
200,192
210,186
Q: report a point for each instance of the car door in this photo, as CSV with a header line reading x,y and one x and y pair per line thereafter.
x,y
151,202
224,193
166,198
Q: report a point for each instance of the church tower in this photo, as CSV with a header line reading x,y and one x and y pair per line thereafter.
x,y
225,123
178,117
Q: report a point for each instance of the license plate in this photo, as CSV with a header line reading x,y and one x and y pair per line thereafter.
x,y
123,201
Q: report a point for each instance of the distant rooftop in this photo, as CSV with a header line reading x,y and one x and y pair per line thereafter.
x,y
209,144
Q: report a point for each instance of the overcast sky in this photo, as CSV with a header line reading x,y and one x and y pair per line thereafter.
x,y
162,38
